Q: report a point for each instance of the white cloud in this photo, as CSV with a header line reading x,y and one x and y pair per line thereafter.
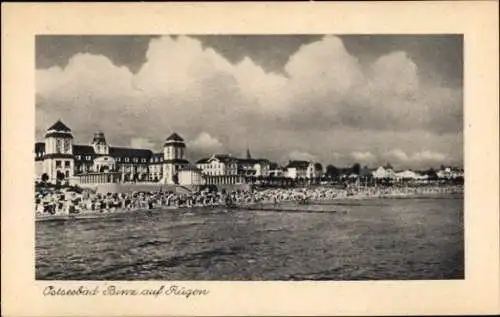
x,y
205,143
397,154
188,88
395,73
429,156
422,158
301,156
363,157
142,143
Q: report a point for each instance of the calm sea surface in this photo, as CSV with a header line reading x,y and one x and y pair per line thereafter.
x,y
370,239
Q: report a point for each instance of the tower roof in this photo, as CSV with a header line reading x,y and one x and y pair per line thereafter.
x,y
59,126
99,137
175,137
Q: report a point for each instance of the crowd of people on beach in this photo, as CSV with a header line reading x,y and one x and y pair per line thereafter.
x,y
50,201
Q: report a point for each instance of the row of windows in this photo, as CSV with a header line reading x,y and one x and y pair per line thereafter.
x,y
87,157
134,159
67,164
118,159
156,159
66,174
81,168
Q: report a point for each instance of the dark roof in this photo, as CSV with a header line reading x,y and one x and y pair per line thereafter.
x,y
246,161
59,126
99,138
224,158
298,164
64,135
262,160
83,150
156,158
273,165
202,161
177,161
129,152
175,137
190,168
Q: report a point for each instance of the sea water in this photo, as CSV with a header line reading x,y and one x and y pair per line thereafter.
x,y
374,239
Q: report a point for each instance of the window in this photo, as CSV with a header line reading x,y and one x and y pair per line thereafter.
x,y
143,160
58,163
67,164
78,157
88,157
67,174
126,159
118,159
58,146
136,159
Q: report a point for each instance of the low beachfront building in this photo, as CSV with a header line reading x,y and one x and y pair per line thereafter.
x,y
296,169
275,170
253,167
450,173
227,165
218,165
303,169
409,175
384,173
190,175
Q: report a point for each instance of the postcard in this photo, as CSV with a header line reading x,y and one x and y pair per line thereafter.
x,y
250,159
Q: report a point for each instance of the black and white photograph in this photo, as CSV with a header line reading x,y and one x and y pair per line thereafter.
x,y
249,157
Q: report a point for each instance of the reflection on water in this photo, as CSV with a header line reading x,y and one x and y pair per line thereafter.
x,y
372,239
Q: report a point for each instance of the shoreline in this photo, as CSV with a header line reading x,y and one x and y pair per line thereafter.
x,y
251,206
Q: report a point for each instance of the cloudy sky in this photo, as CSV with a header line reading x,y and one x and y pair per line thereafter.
x,y
336,99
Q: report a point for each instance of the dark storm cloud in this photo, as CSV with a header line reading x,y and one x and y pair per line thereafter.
x,y
439,57
269,51
56,50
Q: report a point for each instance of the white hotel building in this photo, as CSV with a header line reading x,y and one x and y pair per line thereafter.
x,y
58,159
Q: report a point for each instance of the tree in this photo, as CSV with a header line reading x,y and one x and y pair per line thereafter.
x,y
356,168
318,167
431,173
45,177
332,171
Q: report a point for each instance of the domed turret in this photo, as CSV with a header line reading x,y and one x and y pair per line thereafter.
x,y
174,147
59,130
58,139
99,144
99,138
58,158
173,154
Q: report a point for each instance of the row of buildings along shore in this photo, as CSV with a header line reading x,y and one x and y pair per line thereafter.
x,y
59,160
